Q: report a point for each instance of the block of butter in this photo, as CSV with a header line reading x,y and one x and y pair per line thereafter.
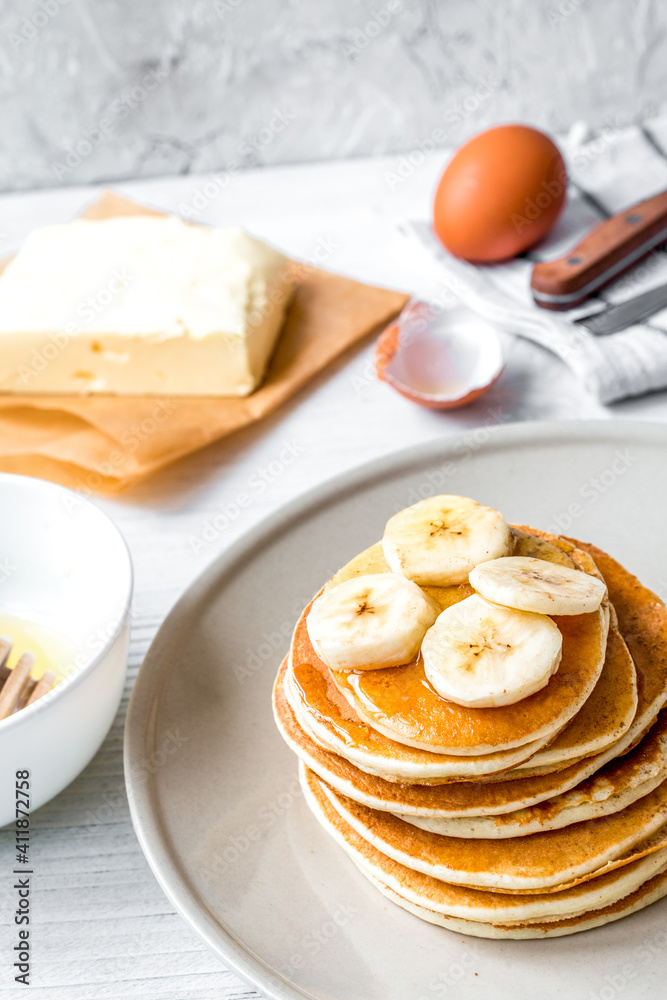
x,y
141,305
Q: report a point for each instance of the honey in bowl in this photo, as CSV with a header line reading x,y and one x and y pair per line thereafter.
x,y
54,655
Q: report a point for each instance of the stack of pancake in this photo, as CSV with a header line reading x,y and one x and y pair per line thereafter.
x,y
539,818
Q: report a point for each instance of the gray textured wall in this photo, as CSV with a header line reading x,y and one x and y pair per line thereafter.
x,y
107,89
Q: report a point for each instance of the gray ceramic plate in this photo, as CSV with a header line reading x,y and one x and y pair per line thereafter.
x,y
213,790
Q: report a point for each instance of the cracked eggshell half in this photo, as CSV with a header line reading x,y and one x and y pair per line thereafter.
x,y
440,360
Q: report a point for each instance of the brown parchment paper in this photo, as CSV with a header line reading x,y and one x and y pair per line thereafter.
x,y
105,443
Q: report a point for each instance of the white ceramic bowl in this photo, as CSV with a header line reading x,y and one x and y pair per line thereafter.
x,y
62,561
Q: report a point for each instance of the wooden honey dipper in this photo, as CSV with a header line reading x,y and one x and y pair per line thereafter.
x,y
17,687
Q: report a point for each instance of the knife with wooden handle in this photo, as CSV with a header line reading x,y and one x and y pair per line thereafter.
x,y
607,251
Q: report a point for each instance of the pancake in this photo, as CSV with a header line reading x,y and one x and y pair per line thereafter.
x,y
554,859
554,814
603,719
642,621
476,904
618,784
327,717
400,703
649,892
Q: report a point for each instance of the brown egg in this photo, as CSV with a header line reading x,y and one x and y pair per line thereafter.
x,y
499,194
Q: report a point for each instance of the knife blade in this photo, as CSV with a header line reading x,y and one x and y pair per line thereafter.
x,y
625,314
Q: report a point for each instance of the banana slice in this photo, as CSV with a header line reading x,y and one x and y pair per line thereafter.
x,y
535,585
526,544
372,621
437,541
481,655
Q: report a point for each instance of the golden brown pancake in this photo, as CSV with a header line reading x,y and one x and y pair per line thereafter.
x,y
552,860
400,703
650,892
642,621
328,718
477,904
603,719
617,785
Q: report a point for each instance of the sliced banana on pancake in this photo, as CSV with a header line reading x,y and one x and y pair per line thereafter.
x,y
437,541
372,621
526,544
530,584
482,655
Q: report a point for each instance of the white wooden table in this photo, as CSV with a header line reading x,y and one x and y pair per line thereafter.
x,y
102,927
